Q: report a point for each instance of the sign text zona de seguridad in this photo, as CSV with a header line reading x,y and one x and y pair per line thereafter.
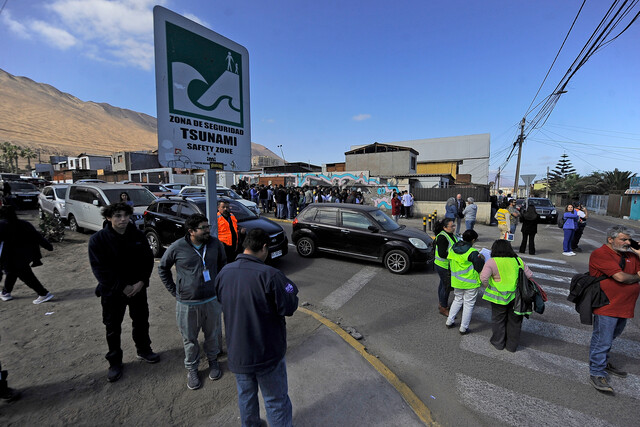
x,y
203,124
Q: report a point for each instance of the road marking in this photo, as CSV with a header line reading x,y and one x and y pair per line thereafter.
x,y
623,346
591,242
543,276
407,394
344,293
549,364
553,290
595,229
537,258
514,408
552,267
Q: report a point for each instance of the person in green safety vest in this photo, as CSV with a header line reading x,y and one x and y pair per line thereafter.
x,y
465,263
500,275
445,239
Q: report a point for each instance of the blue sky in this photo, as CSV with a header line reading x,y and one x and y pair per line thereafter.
x,y
332,74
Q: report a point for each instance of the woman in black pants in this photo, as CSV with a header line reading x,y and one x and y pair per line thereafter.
x,y
529,229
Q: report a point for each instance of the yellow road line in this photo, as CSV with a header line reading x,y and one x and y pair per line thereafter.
x,y
407,394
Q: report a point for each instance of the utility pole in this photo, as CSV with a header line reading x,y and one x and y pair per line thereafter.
x,y
547,183
498,181
519,142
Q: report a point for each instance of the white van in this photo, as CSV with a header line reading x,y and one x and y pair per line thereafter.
x,y
84,203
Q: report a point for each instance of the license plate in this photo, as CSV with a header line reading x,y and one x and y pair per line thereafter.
x,y
26,200
276,254
543,217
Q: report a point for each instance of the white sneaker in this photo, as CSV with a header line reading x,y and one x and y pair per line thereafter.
x,y
45,298
6,296
572,253
566,253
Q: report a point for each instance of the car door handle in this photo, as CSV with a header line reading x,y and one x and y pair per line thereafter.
x,y
345,231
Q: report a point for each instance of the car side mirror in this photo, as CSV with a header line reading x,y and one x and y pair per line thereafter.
x,y
373,228
49,197
96,203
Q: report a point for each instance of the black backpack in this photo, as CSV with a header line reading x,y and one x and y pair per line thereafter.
x,y
560,221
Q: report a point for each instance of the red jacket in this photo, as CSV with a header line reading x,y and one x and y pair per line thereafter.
x,y
395,206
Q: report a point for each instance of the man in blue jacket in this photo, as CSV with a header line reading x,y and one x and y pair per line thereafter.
x,y
198,258
122,261
255,299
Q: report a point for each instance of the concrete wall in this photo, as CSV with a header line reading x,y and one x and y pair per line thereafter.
x,y
421,209
381,164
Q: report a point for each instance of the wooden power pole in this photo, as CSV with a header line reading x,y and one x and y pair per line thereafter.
x,y
519,142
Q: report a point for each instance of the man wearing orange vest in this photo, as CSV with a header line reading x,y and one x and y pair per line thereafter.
x,y
228,230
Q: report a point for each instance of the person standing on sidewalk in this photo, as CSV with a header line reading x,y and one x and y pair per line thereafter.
x,y
395,206
503,218
445,239
255,299
122,261
569,227
228,230
617,260
20,247
198,258
514,215
582,213
460,205
529,229
470,212
466,263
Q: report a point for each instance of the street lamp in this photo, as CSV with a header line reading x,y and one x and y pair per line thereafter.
x,y
282,152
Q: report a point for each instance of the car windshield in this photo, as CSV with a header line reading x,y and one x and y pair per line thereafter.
x,y
237,209
229,193
61,192
22,186
540,202
383,219
139,196
155,188
193,190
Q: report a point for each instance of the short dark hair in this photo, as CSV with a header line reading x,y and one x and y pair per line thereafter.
x,y
446,222
193,221
502,248
256,239
8,213
221,201
109,210
469,235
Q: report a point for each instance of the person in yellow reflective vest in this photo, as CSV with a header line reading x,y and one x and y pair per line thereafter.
x,y
500,275
504,219
465,264
445,239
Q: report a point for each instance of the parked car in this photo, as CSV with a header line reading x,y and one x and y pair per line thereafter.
x,y
90,180
175,187
360,231
545,209
23,195
84,203
198,190
158,190
164,223
51,201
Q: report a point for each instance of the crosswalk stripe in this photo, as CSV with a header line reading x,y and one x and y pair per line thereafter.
x,y
551,277
551,267
537,258
568,334
344,293
548,364
552,290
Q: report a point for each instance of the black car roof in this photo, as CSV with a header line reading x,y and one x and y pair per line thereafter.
x,y
351,206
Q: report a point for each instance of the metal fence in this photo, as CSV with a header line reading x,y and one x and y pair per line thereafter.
x,y
479,194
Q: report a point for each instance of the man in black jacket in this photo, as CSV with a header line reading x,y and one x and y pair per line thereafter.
x,y
122,262
255,299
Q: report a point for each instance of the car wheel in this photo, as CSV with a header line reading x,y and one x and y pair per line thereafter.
x,y
73,224
306,247
41,213
397,261
154,243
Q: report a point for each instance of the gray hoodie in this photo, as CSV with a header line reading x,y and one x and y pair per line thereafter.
x,y
470,212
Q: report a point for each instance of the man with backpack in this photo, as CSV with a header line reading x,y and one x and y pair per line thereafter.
x,y
619,262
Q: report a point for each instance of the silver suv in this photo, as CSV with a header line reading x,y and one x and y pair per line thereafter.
x,y
51,201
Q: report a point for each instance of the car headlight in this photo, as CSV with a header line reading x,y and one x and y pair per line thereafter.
x,y
553,212
418,243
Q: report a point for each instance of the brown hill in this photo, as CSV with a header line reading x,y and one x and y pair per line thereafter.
x,y
41,117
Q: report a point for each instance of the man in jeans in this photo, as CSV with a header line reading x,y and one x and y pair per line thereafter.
x,y
255,299
198,258
620,263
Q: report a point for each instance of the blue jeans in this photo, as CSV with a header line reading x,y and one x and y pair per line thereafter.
x,y
568,238
469,224
444,287
280,211
605,330
273,383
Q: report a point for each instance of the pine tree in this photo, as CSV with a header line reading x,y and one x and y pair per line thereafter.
x,y
563,169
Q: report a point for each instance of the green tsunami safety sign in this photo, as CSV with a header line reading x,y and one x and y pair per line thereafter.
x,y
202,87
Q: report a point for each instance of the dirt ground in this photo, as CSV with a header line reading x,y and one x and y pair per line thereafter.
x,y
54,353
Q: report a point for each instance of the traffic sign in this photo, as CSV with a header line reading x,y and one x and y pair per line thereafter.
x,y
202,91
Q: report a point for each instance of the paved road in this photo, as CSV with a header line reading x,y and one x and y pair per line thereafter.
x,y
462,379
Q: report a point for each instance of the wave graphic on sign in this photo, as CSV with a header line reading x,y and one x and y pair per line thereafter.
x,y
216,102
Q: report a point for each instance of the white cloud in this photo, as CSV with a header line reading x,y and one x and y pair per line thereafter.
x,y
361,117
54,36
14,26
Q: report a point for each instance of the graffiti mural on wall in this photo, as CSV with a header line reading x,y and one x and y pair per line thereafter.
x,y
375,193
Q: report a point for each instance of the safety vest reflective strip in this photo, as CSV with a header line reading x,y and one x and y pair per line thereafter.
x,y
468,278
444,262
504,291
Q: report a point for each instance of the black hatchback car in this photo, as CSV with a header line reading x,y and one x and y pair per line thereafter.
x,y
358,231
164,223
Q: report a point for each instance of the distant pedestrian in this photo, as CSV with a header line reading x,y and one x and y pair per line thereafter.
x,y
407,204
20,247
466,263
122,261
198,258
583,214
450,209
396,204
255,300
460,205
470,212
493,200
514,216
569,228
500,276
124,198
529,229
228,231
503,218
